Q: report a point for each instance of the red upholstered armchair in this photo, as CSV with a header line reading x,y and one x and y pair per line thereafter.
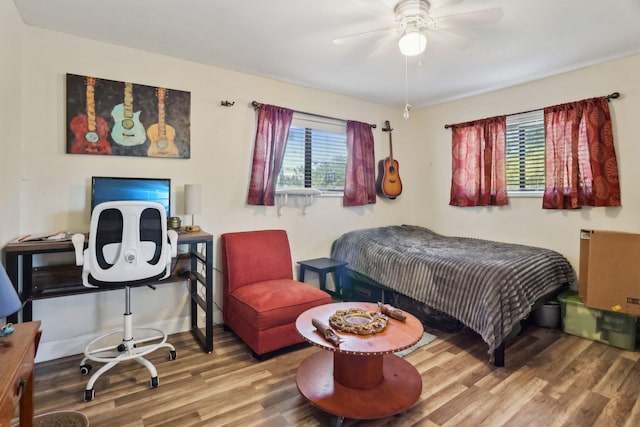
x,y
261,301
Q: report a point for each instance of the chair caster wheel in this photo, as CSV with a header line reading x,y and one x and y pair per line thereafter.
x,y
173,355
85,369
89,395
155,382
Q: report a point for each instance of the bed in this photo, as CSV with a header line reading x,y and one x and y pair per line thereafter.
x,y
484,285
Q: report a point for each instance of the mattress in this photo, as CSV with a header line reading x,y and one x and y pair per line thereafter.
x,y
488,286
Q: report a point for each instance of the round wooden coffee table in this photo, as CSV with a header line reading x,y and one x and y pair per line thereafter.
x,y
361,378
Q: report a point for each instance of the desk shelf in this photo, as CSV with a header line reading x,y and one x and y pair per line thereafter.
x,y
55,281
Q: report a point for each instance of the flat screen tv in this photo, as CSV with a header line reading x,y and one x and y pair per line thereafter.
x,y
106,189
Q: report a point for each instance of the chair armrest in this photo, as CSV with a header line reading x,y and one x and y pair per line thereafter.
x,y
173,241
78,244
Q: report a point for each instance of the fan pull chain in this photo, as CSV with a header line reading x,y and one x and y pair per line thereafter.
x,y
407,106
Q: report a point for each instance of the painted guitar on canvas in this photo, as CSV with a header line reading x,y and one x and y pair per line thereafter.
x,y
127,128
90,130
389,183
161,135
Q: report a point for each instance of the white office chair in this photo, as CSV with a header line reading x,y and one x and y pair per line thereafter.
x,y
129,245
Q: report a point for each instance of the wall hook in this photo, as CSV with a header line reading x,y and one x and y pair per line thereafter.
x,y
227,103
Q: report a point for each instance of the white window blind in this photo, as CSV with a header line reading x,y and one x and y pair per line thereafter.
x,y
525,153
316,154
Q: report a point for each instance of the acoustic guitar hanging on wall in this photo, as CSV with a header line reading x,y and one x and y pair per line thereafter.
x,y
389,183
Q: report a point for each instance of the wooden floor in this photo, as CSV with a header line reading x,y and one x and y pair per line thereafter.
x,y
550,379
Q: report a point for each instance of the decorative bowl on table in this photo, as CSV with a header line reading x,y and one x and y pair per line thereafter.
x,y
359,321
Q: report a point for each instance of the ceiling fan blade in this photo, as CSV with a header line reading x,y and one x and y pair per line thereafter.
x,y
448,38
360,36
435,7
475,17
383,45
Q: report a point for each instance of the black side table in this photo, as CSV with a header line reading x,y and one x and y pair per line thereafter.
x,y
322,266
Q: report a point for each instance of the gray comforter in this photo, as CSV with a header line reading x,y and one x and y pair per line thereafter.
x,y
488,286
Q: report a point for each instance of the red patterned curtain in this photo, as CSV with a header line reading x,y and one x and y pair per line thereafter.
x,y
268,153
478,156
360,179
581,165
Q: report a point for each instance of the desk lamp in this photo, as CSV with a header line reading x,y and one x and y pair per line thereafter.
x,y
9,301
192,196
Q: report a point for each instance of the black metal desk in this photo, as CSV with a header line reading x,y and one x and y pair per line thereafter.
x,y
34,283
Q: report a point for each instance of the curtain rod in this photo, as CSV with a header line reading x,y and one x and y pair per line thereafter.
x,y
614,95
257,104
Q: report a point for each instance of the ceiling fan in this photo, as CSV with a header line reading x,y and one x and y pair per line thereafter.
x,y
415,21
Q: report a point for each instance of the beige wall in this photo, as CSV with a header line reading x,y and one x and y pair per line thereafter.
x,y
523,221
44,189
48,189
10,71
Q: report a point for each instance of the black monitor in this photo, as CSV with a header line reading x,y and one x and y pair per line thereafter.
x,y
106,189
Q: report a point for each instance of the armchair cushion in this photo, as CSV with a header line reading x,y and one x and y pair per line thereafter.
x,y
273,303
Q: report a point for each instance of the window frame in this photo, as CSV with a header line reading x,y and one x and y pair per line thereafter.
x,y
522,120
311,124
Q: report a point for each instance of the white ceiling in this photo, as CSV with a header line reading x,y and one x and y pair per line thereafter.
x,y
291,40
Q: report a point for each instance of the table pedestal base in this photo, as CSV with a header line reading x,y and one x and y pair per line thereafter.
x,y
357,396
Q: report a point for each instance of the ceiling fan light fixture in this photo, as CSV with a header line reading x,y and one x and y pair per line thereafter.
x,y
412,43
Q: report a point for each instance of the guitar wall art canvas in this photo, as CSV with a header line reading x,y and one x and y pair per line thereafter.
x,y
107,117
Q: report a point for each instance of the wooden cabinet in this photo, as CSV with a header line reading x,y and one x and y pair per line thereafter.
x,y
17,352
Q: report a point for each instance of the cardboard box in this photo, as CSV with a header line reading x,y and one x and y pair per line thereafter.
x,y
609,273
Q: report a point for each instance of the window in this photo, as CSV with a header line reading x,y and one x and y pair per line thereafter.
x,y
525,153
315,156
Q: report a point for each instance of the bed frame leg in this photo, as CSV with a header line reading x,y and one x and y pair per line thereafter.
x,y
498,356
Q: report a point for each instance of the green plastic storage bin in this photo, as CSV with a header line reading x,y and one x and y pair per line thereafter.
x,y
616,329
